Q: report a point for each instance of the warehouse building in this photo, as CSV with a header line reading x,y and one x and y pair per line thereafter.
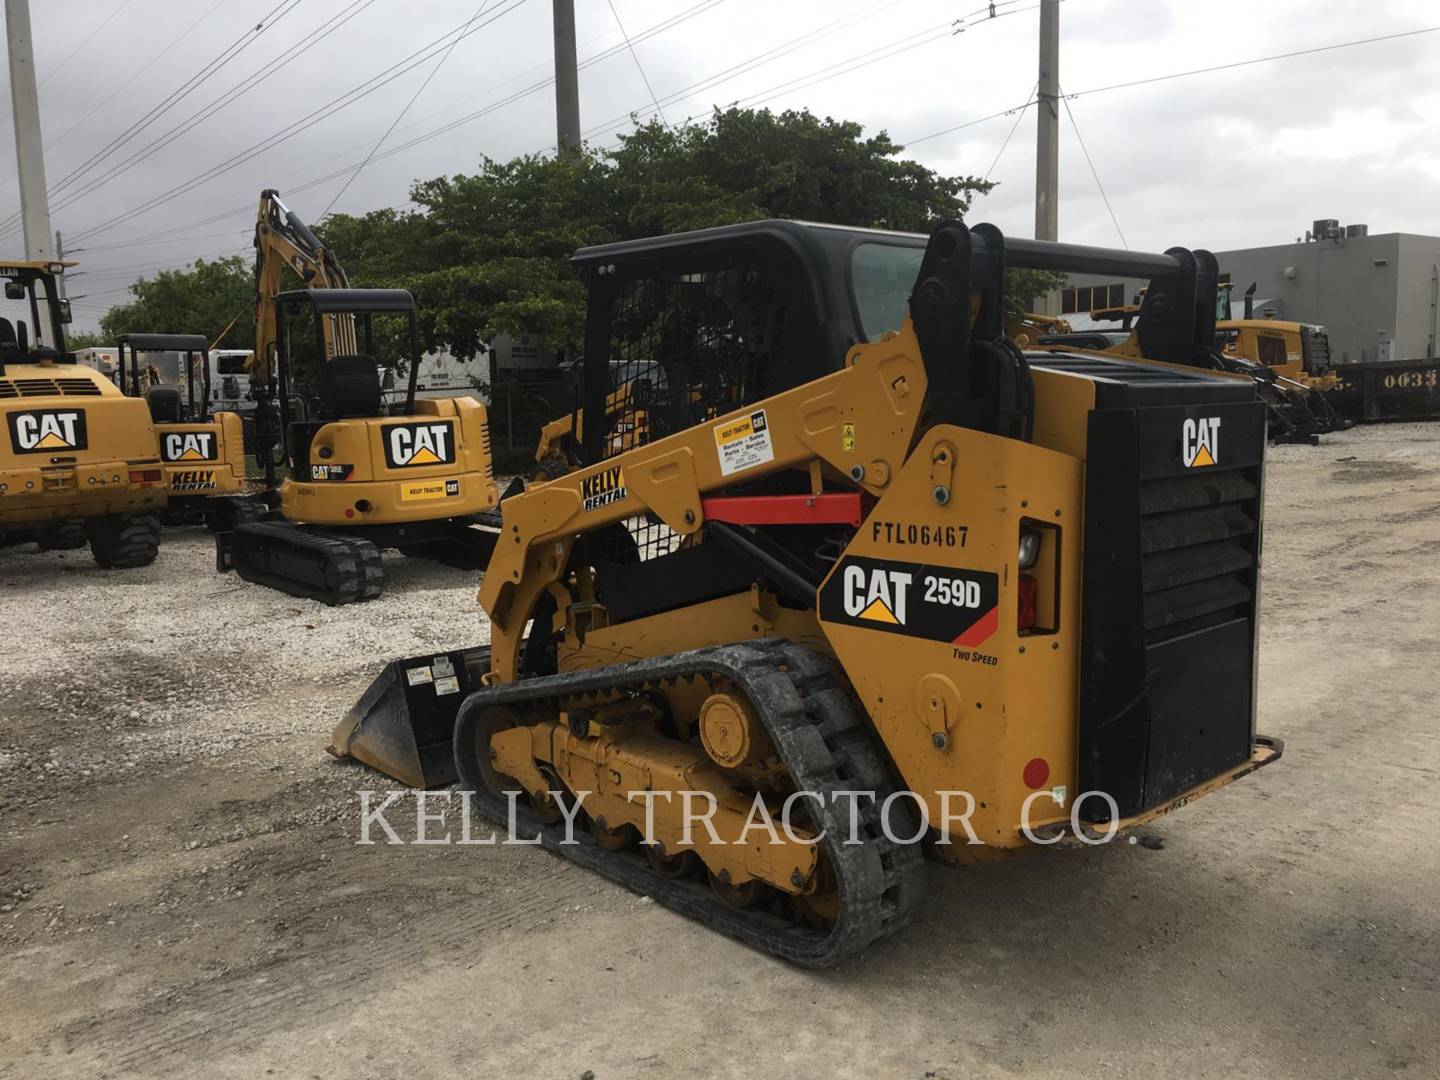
x,y
1377,294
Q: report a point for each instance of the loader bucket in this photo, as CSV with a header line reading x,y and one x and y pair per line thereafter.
x,y
402,724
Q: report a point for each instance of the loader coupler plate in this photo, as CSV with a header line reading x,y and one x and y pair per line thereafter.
x,y
403,724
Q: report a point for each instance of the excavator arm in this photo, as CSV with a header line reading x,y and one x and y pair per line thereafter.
x,y
283,240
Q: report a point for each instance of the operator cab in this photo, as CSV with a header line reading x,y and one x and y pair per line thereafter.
x,y
42,339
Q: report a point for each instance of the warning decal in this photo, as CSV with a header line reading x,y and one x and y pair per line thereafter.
x,y
743,443
941,603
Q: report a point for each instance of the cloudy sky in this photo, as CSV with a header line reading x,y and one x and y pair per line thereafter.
x,y
163,119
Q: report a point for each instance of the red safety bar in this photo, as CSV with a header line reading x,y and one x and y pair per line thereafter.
x,y
832,508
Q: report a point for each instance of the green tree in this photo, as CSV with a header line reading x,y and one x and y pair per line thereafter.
x,y
87,339
203,299
489,253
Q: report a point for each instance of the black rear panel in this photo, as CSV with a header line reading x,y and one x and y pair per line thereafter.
x,y
1170,581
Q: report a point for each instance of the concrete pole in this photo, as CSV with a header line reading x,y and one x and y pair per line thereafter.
x,y
29,152
1047,149
1047,141
567,78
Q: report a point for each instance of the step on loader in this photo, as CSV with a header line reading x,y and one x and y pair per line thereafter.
x,y
864,560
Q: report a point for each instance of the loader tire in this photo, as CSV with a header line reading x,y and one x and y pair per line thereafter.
x,y
124,541
60,535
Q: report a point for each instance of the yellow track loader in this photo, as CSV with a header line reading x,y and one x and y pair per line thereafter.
x,y
203,453
79,462
870,569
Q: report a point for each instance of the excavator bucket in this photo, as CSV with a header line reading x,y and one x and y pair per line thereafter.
x,y
402,724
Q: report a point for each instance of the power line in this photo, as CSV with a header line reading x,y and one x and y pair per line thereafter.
x,y
350,97
401,115
636,57
1081,140
140,69
444,129
56,69
295,50
1019,115
1256,60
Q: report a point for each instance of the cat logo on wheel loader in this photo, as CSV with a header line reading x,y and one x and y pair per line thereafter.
x,y
188,446
1200,441
39,430
413,445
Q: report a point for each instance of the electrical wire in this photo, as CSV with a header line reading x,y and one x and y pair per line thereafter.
x,y
1084,150
56,69
350,97
401,115
1019,115
638,67
445,129
292,53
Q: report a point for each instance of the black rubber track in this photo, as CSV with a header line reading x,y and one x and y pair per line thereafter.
x,y
123,541
824,745
311,563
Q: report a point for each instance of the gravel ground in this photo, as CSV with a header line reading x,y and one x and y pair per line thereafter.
x,y
181,893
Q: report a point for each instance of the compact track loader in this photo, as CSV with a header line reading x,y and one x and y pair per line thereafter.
x,y
79,462
203,453
865,556
361,480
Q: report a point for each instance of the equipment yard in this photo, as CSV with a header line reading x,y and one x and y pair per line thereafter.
x,y
181,892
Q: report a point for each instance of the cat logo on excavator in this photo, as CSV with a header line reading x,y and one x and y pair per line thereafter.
x,y
38,430
188,446
416,444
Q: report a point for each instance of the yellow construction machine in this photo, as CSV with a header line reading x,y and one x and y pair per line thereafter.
x,y
361,480
80,461
203,453
871,560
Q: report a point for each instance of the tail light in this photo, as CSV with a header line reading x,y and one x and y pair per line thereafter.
x,y
1029,591
146,477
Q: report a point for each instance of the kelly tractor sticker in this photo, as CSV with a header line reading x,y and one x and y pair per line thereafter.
x,y
940,603
743,443
40,431
176,446
415,444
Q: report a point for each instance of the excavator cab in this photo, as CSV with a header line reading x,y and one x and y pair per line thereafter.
x,y
363,478
203,452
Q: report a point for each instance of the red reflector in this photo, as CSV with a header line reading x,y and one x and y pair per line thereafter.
x,y
1028,590
145,476
1037,771
349,512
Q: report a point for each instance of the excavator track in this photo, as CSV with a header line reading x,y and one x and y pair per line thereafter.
x,y
307,562
825,747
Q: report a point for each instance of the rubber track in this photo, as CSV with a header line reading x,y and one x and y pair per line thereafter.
x,y
823,744
353,564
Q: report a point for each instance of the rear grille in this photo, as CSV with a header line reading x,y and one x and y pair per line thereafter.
x,y
18,388
1197,550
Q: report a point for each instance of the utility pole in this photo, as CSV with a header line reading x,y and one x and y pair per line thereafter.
x,y
567,78
60,256
29,148
1047,149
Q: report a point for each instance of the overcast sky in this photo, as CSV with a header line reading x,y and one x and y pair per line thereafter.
x,y
1238,158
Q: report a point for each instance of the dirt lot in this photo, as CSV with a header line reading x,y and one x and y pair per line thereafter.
x,y
181,892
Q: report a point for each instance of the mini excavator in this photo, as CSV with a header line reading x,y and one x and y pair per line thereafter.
x,y
203,453
862,542
79,463
361,480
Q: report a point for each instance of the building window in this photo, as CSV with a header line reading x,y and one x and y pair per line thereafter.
x,y
1084,298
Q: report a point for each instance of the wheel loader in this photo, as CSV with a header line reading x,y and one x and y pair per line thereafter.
x,y
361,480
80,461
203,453
870,560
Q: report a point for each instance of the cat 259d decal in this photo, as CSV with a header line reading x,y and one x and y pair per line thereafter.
x,y
413,444
941,603
40,431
